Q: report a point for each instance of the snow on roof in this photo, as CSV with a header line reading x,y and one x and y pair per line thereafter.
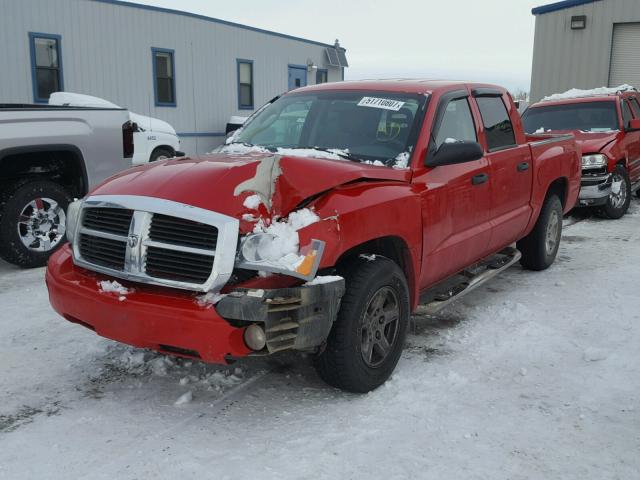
x,y
594,92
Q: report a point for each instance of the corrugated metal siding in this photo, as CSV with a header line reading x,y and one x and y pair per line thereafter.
x,y
106,52
625,55
565,58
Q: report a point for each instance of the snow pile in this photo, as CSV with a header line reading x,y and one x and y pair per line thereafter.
x,y
283,250
402,161
578,93
322,279
184,399
252,202
111,286
244,149
209,299
376,163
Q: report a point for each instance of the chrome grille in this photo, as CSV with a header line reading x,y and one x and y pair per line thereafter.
x,y
182,266
103,251
156,241
111,220
178,231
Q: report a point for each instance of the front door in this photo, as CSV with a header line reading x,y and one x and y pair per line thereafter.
x,y
456,201
297,77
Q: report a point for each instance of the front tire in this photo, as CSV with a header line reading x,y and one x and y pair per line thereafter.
x,y
619,200
540,247
366,340
161,153
32,221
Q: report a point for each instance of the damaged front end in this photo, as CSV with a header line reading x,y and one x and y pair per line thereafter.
x,y
296,318
596,188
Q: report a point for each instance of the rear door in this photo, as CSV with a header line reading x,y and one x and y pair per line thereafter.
x,y
510,168
297,77
456,200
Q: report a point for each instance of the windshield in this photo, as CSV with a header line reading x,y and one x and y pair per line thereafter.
x,y
370,126
587,116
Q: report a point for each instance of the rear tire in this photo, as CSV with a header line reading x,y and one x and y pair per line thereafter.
x,y
32,221
618,203
161,153
365,343
540,247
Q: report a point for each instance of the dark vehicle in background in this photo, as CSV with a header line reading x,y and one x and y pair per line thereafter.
x,y
606,124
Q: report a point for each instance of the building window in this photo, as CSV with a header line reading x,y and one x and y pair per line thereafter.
x,y
497,124
46,65
245,84
322,76
164,77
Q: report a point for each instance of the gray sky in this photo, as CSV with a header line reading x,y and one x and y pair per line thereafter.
x,y
483,40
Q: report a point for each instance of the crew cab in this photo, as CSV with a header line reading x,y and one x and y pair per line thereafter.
x,y
48,156
606,124
330,216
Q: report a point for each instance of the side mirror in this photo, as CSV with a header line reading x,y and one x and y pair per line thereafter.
x,y
633,125
454,153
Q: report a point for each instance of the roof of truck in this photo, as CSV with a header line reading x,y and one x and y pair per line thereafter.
x,y
400,85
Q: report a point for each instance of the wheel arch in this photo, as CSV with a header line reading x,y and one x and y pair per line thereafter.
x,y
392,247
61,163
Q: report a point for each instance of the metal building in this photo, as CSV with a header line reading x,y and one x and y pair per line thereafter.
x,y
585,44
189,70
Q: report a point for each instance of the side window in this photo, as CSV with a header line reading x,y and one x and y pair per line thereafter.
x,y
245,84
457,123
626,114
164,83
635,107
497,124
46,65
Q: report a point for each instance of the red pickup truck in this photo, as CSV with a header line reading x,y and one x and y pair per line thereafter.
x,y
606,124
330,216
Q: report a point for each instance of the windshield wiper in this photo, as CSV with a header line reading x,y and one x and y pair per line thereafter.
x,y
336,151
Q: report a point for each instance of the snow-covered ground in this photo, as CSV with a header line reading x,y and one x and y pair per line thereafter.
x,y
534,376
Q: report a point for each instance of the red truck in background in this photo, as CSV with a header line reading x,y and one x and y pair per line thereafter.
x,y
606,124
330,216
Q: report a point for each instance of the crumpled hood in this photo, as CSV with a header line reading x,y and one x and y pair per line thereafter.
x,y
592,142
221,182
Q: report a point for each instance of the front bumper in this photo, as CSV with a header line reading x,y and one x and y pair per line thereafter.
x,y
595,190
174,322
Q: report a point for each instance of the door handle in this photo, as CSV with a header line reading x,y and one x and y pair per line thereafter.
x,y
523,167
480,179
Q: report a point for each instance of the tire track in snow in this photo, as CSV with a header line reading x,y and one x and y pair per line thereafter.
x,y
209,410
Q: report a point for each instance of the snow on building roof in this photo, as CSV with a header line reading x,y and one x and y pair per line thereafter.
x,y
594,92
554,7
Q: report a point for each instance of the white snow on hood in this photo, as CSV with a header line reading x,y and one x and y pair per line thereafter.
x,y
578,93
243,149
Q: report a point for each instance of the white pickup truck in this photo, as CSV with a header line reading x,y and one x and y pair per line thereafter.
x,y
153,138
48,156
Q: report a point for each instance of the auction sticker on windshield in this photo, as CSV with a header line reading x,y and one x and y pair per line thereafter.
x,y
384,103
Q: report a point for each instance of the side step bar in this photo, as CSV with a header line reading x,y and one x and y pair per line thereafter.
x,y
635,187
466,281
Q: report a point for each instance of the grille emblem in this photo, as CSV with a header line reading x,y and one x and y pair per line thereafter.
x,y
132,240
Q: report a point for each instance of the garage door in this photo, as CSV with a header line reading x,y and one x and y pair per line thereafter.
x,y
625,55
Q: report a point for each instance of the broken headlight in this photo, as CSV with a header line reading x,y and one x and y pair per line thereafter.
x,y
270,253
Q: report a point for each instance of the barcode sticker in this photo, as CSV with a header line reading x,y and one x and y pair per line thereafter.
x,y
384,103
